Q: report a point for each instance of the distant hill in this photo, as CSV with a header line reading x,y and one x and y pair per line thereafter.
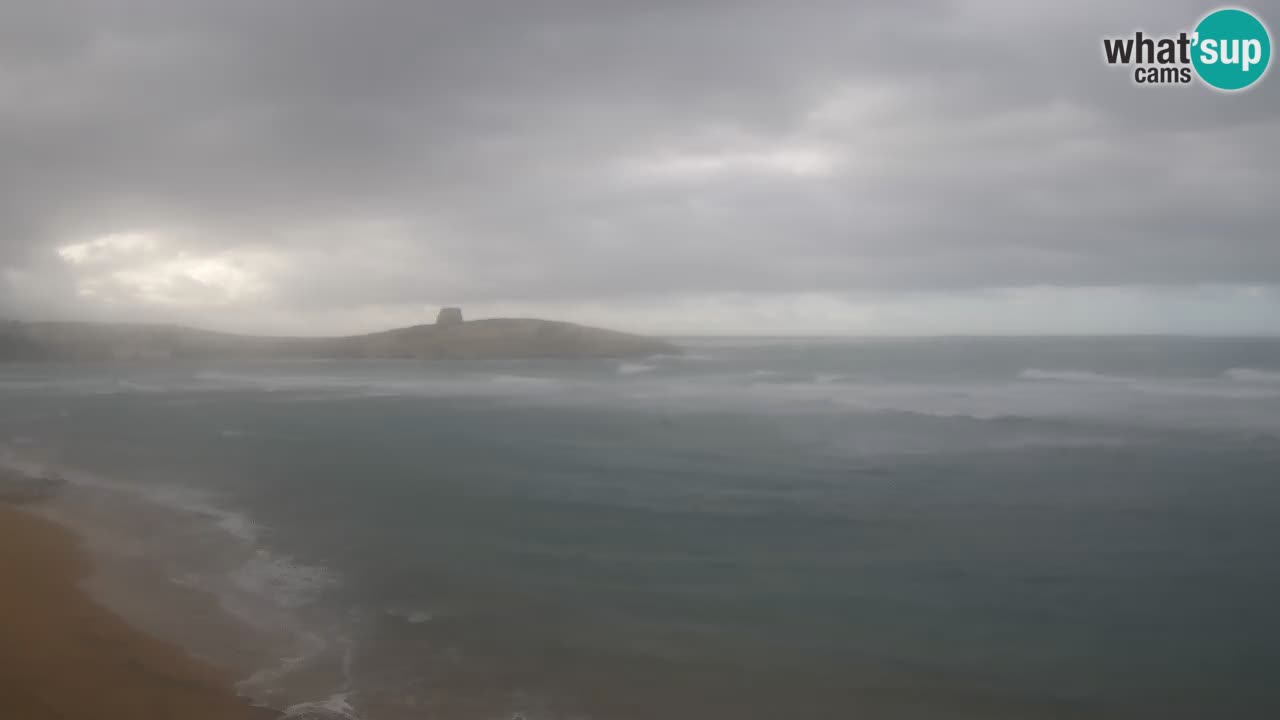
x,y
496,338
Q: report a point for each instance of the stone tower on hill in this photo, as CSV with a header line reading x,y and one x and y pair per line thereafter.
x,y
449,316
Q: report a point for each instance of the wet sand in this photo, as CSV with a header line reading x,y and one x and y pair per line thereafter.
x,y
63,656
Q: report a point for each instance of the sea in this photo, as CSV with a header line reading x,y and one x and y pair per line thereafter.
x,y
758,528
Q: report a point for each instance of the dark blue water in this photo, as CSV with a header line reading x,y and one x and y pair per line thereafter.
x,y
1039,528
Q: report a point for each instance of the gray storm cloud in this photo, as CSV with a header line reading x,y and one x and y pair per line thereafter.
x,y
668,166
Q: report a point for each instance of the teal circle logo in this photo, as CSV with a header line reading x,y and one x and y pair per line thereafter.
x,y
1231,49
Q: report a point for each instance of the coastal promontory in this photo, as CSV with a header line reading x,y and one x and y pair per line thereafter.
x,y
449,337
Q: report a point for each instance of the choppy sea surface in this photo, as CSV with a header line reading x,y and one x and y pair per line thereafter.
x,y
760,528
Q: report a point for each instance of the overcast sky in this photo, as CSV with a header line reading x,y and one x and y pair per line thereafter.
x,y
700,166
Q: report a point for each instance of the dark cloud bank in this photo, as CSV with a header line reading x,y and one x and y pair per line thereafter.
x,y
313,166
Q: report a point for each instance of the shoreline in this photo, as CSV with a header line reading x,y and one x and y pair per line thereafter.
x,y
65,656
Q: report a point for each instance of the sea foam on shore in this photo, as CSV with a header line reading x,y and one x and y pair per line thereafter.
x,y
177,566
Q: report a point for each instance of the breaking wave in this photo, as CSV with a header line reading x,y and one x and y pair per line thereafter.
x,y
1077,376
336,707
1253,376
207,548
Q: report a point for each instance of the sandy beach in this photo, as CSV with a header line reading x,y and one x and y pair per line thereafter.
x,y
63,656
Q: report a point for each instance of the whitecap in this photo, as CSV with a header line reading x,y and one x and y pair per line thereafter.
x,y
1252,375
1071,376
335,707
288,584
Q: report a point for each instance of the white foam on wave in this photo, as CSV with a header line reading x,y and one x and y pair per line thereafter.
x,y
289,584
72,386
762,375
277,579
265,680
202,546
335,707
418,383
1250,375
522,382
179,498
1078,376
280,579
688,357
634,368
